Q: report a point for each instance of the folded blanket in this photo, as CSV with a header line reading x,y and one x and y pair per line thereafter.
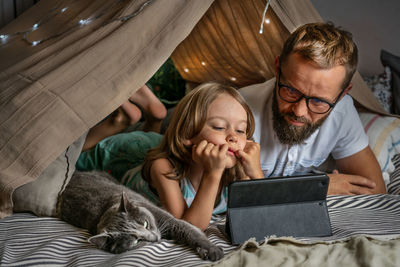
x,y
358,250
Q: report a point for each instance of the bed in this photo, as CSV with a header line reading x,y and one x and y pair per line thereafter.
x,y
45,91
366,226
29,240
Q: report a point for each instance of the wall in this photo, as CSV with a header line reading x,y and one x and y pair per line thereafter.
x,y
375,25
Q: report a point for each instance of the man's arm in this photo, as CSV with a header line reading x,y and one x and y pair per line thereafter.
x,y
358,174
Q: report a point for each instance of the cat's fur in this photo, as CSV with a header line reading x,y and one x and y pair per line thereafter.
x,y
121,219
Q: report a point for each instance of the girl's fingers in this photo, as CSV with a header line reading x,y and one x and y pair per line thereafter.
x,y
241,154
223,149
200,146
208,148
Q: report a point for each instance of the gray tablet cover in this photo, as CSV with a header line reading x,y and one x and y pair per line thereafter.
x,y
282,206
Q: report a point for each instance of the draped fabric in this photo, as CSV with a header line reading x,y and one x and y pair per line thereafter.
x,y
52,92
226,46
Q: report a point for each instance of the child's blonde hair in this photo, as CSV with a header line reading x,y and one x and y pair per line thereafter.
x,y
187,121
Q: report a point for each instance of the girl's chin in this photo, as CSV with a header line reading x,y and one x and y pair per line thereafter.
x,y
231,163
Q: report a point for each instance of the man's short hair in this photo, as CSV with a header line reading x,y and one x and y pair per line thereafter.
x,y
324,44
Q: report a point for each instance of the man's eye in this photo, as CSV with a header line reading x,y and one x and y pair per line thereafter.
x,y
317,101
292,91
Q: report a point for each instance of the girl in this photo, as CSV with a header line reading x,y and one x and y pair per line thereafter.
x,y
206,146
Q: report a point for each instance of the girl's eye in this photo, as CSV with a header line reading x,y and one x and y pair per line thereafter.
x,y
146,224
240,131
218,128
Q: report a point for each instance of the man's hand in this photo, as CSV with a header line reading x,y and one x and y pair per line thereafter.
x,y
250,159
343,184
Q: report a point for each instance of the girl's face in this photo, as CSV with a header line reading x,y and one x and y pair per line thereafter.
x,y
226,124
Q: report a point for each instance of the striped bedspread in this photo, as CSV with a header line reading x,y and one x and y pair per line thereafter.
x,y
27,240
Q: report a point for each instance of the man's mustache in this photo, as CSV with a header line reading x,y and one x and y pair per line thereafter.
x,y
292,116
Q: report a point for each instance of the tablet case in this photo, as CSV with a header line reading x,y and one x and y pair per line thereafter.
x,y
282,206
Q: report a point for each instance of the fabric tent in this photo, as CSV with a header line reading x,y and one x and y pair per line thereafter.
x,y
67,64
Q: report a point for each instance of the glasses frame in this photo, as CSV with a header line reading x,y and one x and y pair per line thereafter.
x,y
307,98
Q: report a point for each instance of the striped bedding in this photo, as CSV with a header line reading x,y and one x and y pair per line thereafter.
x,y
28,240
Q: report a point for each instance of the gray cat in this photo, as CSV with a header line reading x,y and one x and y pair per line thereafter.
x,y
121,219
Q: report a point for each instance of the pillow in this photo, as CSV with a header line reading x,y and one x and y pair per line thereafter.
x,y
381,87
393,62
384,139
40,196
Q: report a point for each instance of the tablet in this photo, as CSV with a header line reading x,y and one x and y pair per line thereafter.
x,y
281,206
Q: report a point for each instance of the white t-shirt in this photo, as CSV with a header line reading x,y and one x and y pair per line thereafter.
x,y
341,135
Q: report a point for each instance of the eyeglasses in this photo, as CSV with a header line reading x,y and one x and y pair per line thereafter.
x,y
314,104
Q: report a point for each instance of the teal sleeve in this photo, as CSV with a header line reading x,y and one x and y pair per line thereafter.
x,y
119,153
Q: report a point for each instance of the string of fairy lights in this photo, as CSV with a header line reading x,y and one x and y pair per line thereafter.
x,y
264,20
60,9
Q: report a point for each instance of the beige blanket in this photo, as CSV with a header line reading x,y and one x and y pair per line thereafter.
x,y
354,251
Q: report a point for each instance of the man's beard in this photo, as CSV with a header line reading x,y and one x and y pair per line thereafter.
x,y
288,133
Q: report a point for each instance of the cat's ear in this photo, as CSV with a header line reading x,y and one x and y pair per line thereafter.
x,y
99,240
124,203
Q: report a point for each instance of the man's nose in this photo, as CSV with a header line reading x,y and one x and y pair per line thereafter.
x,y
300,108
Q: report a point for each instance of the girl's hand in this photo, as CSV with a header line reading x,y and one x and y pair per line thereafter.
x,y
212,157
250,159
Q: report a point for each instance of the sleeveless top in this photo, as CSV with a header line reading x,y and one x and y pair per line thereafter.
x,y
122,156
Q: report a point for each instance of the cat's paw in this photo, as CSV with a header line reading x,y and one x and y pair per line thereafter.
x,y
212,253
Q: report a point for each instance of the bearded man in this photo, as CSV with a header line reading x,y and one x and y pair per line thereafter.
x,y
305,115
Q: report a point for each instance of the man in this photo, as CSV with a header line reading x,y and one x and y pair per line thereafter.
x,y
305,115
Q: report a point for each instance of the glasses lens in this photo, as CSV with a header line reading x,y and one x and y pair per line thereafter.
x,y
292,95
289,94
317,105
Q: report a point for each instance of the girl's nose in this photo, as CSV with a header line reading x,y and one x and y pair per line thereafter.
x,y
232,137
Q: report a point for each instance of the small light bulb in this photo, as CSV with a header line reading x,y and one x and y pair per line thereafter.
x,y
35,26
233,78
186,69
3,37
35,43
267,21
64,9
203,63
84,21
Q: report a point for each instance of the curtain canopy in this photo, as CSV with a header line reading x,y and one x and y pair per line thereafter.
x,y
67,64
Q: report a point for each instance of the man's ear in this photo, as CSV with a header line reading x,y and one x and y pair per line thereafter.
x,y
346,91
